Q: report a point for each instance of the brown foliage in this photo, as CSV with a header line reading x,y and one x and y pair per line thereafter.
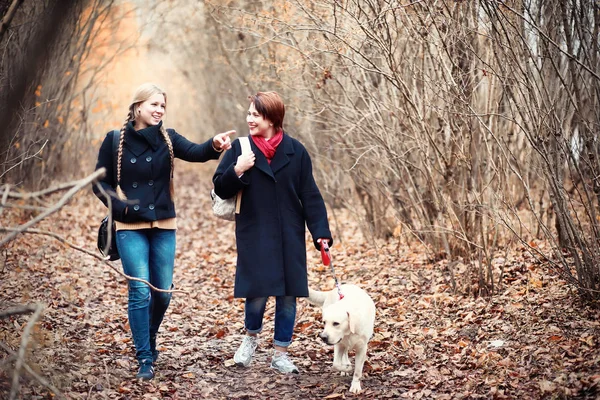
x,y
532,340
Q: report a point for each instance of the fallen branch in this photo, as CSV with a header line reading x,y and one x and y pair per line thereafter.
x,y
76,188
21,354
93,254
17,310
34,374
41,193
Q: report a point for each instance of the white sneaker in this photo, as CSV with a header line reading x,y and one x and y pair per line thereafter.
x,y
244,353
282,363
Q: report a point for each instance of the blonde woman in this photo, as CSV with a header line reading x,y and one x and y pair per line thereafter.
x,y
144,211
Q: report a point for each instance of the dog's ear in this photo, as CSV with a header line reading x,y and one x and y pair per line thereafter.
x,y
352,323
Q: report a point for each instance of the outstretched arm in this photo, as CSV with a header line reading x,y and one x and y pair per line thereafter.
x,y
193,152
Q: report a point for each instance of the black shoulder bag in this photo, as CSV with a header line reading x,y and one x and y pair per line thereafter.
x,y
110,251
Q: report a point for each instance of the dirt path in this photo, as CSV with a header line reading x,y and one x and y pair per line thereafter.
x,y
530,341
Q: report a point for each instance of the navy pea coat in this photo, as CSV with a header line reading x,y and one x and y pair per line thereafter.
x,y
279,201
146,171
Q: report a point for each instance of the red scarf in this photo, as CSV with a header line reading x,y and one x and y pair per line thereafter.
x,y
268,147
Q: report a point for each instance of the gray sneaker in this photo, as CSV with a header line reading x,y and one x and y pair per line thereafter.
x,y
243,355
282,363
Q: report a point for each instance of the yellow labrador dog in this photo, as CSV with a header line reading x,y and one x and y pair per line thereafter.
x,y
348,326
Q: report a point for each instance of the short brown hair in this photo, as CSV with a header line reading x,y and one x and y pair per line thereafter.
x,y
270,106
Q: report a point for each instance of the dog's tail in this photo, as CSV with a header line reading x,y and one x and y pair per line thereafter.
x,y
316,297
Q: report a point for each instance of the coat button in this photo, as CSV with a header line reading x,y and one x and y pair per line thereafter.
x,y
136,207
133,160
150,182
134,185
149,158
151,206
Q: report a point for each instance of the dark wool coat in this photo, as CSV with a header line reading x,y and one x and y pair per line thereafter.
x,y
278,202
146,172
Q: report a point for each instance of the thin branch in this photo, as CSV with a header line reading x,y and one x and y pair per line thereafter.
x,y
21,354
76,188
45,192
93,254
12,10
24,159
31,372
4,197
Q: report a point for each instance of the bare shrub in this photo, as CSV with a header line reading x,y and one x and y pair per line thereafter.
x,y
469,126
455,121
547,58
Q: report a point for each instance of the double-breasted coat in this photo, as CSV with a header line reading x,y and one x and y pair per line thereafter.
x,y
146,171
279,201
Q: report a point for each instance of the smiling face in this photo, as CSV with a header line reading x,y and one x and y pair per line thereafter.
x,y
150,112
258,124
337,324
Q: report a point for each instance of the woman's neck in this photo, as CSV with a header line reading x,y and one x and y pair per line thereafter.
x,y
270,133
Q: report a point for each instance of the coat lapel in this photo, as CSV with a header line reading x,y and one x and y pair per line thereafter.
x,y
135,142
261,161
281,158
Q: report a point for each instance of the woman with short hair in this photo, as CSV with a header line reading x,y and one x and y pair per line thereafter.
x,y
280,199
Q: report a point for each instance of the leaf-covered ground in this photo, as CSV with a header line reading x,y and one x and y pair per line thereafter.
x,y
531,340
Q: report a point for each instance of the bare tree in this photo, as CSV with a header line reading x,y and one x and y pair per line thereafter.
x,y
41,75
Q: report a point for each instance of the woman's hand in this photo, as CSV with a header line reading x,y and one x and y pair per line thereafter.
x,y
222,141
324,240
244,163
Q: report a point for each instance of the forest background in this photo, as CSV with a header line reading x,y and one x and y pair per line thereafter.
x,y
464,133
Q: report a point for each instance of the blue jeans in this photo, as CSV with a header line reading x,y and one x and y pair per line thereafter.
x,y
148,254
285,317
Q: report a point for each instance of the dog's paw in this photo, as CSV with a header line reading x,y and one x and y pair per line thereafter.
x,y
343,368
355,386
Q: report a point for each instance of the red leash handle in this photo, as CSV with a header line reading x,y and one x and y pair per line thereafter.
x,y
326,257
325,253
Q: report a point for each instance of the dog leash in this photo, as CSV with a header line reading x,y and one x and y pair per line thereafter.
x,y
326,257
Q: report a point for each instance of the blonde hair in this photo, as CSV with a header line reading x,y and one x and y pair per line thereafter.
x,y
141,94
